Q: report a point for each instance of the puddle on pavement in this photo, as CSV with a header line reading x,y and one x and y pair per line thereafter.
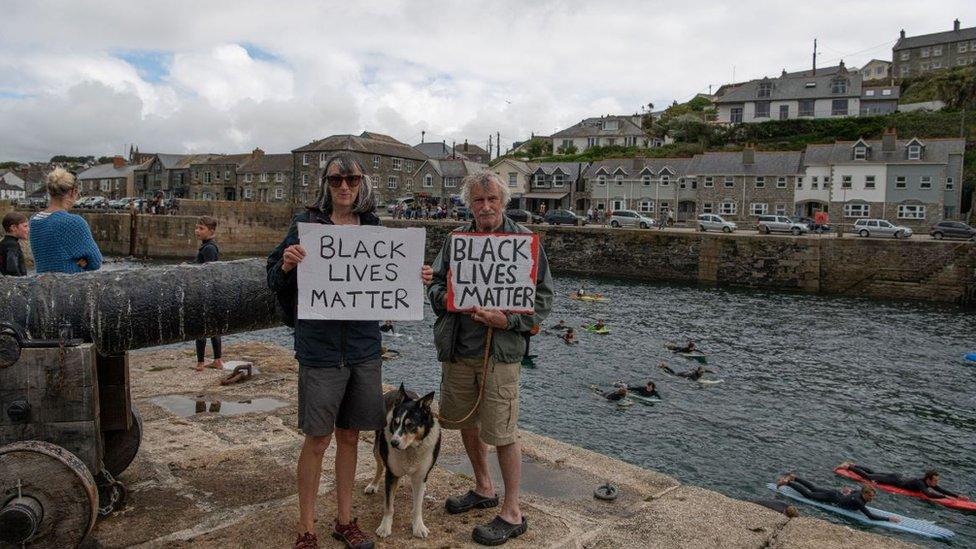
x,y
185,406
537,478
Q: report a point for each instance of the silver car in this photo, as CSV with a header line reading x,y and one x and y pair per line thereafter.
x,y
712,222
880,227
780,224
630,218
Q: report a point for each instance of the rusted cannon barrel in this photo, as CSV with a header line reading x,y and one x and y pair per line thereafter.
x,y
132,309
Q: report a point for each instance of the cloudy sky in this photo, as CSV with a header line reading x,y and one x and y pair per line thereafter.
x,y
227,76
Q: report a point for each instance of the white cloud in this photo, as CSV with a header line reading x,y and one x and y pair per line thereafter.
x,y
455,70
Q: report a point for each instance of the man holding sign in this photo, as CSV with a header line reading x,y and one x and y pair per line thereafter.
x,y
491,285
339,273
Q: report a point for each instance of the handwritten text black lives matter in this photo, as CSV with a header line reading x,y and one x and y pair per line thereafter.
x,y
492,271
360,273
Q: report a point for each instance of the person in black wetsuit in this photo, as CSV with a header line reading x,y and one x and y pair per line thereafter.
x,y
686,349
844,498
619,394
693,375
387,327
561,326
648,390
928,484
569,336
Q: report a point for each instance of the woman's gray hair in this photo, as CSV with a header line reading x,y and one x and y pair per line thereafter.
x,y
347,163
484,180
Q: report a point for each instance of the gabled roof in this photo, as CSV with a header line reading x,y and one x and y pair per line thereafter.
x,y
571,169
266,163
795,87
434,149
520,165
453,167
593,127
935,38
936,150
640,166
187,160
108,171
730,163
469,149
4,186
366,143
861,141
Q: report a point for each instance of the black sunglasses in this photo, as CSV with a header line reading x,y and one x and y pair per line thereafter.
x,y
352,181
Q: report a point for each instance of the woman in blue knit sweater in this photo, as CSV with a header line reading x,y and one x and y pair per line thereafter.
x,y
60,241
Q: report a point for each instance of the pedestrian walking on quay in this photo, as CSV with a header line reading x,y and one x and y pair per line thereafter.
x,y
205,230
339,361
62,242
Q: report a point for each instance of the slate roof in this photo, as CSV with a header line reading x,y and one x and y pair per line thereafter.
x,y
730,163
631,167
455,167
14,179
934,150
935,38
237,159
434,149
4,186
817,155
187,160
471,149
108,171
572,169
266,163
794,87
593,127
366,143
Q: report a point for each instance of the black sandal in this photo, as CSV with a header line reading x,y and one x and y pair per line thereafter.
x,y
472,500
498,531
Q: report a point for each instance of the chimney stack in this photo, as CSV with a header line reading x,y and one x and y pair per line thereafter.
x,y
257,152
888,140
465,145
638,163
955,25
453,149
749,155
422,134
118,162
902,35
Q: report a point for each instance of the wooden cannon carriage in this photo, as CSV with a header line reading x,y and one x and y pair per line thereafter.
x,y
67,425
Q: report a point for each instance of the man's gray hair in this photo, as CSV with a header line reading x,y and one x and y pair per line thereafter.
x,y
484,180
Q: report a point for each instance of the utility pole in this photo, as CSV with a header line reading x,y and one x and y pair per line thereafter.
x,y
489,146
422,134
498,144
815,57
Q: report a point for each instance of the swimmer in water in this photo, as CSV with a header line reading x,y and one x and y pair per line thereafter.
x,y
569,337
928,484
693,375
647,390
845,498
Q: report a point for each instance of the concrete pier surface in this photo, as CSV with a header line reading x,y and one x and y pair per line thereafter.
x,y
222,478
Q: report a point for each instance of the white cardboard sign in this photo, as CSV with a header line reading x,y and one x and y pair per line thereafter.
x,y
360,273
492,271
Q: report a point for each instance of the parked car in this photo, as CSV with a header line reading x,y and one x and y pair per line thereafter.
x,y
630,218
880,227
712,222
119,203
952,229
92,202
404,200
780,224
564,217
524,216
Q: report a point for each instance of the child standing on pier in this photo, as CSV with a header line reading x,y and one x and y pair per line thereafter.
x,y
15,228
204,231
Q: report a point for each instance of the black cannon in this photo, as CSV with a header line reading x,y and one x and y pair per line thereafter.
x,y
67,424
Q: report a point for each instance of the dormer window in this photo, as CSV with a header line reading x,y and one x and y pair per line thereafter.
x,y
869,93
914,152
610,125
810,85
860,152
765,89
838,85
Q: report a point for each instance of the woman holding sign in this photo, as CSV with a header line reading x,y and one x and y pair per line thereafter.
x,y
340,367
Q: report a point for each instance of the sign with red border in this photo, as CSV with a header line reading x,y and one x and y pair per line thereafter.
x,y
492,271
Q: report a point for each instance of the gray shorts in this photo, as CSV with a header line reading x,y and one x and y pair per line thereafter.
x,y
347,398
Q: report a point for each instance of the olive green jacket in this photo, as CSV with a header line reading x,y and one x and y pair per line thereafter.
x,y
507,345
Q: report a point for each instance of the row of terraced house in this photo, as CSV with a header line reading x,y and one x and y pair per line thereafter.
x,y
909,181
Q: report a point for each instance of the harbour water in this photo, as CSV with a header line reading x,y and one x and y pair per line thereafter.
x,y
808,382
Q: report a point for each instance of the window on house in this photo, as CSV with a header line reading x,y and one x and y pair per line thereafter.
x,y
780,182
961,62
279,193
451,181
857,210
248,178
397,164
728,208
807,107
925,182
428,180
962,47
322,160
905,55
936,65
408,166
264,177
886,91
619,179
557,180
207,196
601,180
813,183
936,50
665,180
846,182
914,152
911,211
709,182
665,205
610,125
207,177
799,183
567,143
760,182
279,177
617,204
735,115
376,162
248,193
304,159
646,206
762,109
869,93
950,184
512,179
784,112
868,181
765,89
926,52
900,182
758,208
226,175
706,207
838,107
391,182
838,85
592,141
611,141
904,70
924,66
729,181
646,180
781,209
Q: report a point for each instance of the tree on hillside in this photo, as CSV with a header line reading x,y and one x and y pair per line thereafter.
x,y
957,88
690,128
9,165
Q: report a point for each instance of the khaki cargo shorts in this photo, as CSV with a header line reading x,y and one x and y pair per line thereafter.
x,y
497,415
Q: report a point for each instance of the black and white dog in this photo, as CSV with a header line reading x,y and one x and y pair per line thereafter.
x,y
407,446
